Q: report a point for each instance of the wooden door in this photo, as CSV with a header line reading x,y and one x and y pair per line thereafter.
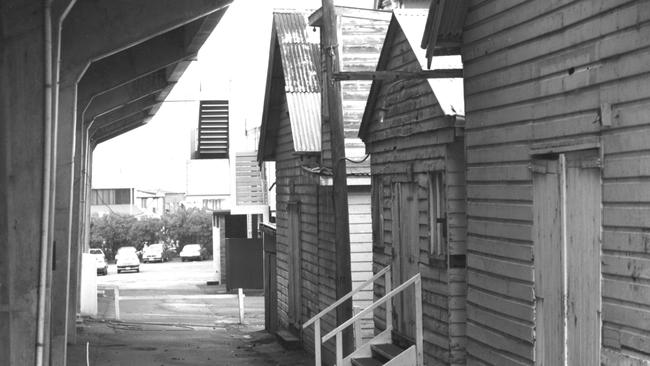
x,y
271,292
405,235
567,231
295,278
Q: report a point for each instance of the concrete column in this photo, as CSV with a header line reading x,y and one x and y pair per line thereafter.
x,y
22,150
63,222
76,232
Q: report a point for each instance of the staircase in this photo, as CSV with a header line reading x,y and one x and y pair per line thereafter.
x,y
380,350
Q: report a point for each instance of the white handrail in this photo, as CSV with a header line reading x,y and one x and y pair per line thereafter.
x,y
316,320
345,297
415,279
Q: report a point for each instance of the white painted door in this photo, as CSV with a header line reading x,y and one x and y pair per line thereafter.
x,y
566,233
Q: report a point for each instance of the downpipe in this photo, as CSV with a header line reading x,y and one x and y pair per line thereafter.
x,y
47,182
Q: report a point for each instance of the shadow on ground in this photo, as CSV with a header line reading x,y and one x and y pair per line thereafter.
x,y
147,344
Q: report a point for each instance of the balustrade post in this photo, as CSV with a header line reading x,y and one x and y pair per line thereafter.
x,y
419,342
388,280
339,349
317,342
357,328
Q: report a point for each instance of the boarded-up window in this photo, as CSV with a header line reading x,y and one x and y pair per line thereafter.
x,y
437,215
213,129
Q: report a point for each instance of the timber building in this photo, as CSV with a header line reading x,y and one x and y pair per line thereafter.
x,y
293,137
557,105
413,130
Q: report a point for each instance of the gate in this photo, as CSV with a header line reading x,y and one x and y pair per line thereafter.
x,y
244,263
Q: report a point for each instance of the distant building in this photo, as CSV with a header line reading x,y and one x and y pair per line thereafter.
x,y
127,201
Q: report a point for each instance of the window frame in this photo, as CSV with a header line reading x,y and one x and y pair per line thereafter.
x,y
437,214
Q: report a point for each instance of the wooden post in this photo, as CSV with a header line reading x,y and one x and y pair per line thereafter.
x,y
339,349
388,287
419,335
333,114
317,343
358,339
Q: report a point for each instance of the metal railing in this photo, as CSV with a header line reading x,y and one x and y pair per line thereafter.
x,y
416,281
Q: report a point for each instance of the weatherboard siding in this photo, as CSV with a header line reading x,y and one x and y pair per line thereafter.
x,y
361,41
535,72
318,257
415,139
293,184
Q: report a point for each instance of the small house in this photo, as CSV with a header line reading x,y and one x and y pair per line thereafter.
x,y
557,99
293,137
413,131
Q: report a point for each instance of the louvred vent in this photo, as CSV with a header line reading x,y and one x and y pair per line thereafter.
x,y
213,129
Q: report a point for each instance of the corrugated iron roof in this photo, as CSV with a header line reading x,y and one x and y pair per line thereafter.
x,y
449,92
305,113
449,33
300,55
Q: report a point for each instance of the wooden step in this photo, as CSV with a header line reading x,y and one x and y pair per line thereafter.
x,y
287,340
385,351
366,361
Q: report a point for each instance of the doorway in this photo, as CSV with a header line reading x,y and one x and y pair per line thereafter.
x,y
295,267
405,255
566,234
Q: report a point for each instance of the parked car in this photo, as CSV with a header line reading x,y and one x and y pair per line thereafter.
x,y
155,253
127,259
193,252
100,260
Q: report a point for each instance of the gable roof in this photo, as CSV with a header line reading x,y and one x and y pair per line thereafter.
x,y
448,92
299,66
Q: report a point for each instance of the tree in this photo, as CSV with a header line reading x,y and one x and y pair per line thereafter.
x,y
111,231
187,226
146,230
183,226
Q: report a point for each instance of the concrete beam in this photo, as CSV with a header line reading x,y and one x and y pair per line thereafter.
x,y
120,127
99,28
133,63
115,116
145,86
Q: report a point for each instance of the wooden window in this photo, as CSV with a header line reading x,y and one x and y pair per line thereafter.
x,y
213,129
437,215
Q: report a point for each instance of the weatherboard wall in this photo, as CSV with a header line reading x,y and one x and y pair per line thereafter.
x,y
552,73
361,41
317,248
412,140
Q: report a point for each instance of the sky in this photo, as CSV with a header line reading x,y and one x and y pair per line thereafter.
x,y
231,65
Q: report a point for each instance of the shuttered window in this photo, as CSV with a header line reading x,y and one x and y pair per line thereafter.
x,y
437,215
213,129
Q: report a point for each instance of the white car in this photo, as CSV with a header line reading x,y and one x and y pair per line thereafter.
x,y
155,253
127,259
192,252
100,260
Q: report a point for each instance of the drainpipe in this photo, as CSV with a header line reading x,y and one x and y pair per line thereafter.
x,y
47,181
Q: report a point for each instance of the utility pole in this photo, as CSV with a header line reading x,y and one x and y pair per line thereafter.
x,y
333,114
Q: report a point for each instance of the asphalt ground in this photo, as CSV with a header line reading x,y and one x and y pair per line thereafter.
x,y
168,315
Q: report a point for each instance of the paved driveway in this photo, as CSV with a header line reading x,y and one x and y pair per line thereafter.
x,y
169,317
